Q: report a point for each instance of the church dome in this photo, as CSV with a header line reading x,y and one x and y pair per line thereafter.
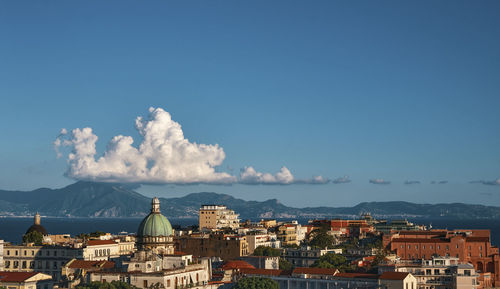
x,y
37,227
155,224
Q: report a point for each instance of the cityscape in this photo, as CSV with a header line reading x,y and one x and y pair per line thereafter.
x,y
220,144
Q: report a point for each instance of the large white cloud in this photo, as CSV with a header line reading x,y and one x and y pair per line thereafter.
x,y
164,156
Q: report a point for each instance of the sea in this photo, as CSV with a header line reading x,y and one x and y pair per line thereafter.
x,y
13,228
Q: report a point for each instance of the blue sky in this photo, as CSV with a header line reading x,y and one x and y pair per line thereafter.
x,y
392,90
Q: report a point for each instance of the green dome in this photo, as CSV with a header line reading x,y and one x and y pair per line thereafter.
x,y
155,224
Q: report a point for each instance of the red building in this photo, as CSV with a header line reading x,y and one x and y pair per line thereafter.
x,y
355,228
472,246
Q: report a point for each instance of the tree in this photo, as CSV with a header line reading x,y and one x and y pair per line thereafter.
x,y
256,283
322,239
331,260
266,251
33,237
285,265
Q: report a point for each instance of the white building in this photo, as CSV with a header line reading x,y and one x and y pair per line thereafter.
x,y
266,240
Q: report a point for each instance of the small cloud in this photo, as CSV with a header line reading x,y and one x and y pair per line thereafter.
x,y
250,176
379,182
489,183
439,182
412,182
342,180
316,180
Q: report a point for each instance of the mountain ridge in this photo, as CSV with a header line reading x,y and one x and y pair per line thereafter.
x,y
89,199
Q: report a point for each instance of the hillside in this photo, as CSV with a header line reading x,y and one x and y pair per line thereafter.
x,y
87,199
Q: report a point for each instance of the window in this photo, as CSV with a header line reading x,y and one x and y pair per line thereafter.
x,y
8,252
416,246
145,283
25,253
32,252
16,252
436,271
7,264
24,264
168,283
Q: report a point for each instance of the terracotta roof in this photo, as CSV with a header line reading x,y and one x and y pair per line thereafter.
x,y
418,240
266,272
100,242
315,271
393,275
16,276
81,264
236,264
357,275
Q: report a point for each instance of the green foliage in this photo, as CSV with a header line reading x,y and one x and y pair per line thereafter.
x,y
331,260
322,240
256,283
33,237
112,285
266,251
294,246
284,264
95,234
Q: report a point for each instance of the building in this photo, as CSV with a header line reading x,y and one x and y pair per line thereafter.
x,y
37,226
305,256
331,279
347,228
216,217
439,272
156,263
226,247
101,250
469,246
287,235
75,272
155,231
396,225
1,255
263,262
45,259
266,240
24,280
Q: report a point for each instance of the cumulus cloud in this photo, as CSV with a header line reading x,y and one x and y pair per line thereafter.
x,y
489,183
342,180
164,156
379,182
412,182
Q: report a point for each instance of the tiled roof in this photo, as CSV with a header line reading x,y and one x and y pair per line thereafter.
x,y
418,240
81,264
357,275
100,242
315,271
236,264
393,275
15,276
266,272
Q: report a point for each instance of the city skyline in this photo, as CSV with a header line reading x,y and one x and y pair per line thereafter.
x,y
274,100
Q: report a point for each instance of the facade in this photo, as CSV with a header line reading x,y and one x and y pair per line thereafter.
x,y
216,217
226,247
440,272
287,235
24,280
348,228
44,259
469,246
155,231
266,240
305,256
396,225
101,250
263,262
1,255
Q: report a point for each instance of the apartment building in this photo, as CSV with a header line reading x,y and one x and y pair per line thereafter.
x,y
216,217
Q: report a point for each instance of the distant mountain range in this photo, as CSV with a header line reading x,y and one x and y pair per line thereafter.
x,y
87,199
